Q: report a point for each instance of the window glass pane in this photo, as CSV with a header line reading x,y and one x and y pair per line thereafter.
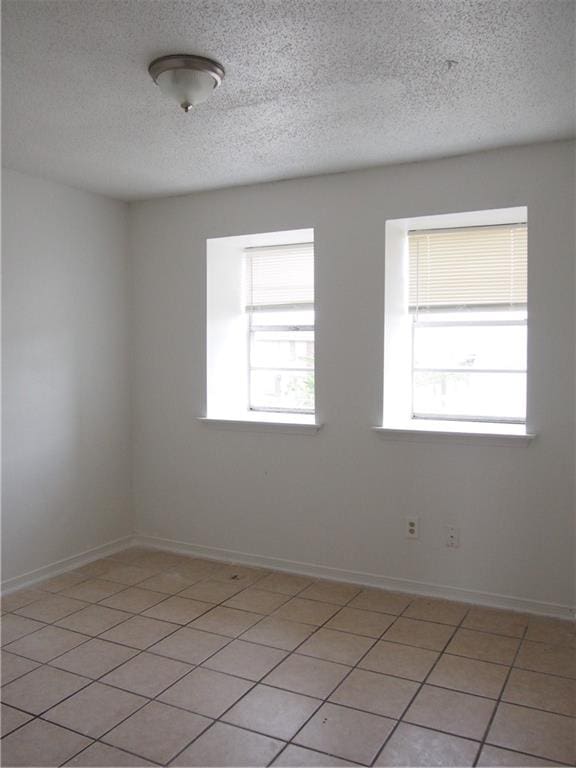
x,y
277,317
470,394
285,390
282,349
491,347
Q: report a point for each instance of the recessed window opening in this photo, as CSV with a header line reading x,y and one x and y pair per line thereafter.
x,y
279,303
467,300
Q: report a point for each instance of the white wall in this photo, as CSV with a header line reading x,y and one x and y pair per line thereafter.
x,y
66,465
340,498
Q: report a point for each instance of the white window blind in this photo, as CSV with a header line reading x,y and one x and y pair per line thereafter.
x,y
280,276
468,267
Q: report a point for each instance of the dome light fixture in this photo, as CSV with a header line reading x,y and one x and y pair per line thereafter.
x,y
187,79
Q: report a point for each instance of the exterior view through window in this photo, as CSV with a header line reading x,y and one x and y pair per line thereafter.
x,y
280,306
468,303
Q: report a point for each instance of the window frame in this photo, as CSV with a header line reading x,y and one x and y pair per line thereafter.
x,y
396,417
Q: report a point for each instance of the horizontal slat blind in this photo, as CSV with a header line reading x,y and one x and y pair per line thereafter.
x,y
468,267
280,276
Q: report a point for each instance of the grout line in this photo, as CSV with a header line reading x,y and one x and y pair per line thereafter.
x,y
499,699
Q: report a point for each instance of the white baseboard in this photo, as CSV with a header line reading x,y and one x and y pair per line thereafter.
x,y
422,588
67,564
291,566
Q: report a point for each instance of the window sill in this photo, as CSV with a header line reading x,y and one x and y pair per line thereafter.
x,y
288,425
466,432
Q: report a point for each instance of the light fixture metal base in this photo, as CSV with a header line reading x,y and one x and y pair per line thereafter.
x,y
186,61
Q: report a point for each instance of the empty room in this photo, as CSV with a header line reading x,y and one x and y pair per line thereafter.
x,y
288,383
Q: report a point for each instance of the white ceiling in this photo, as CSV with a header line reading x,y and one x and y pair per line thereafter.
x,y
312,86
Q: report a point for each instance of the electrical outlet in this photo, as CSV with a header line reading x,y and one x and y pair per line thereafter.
x,y
452,536
412,528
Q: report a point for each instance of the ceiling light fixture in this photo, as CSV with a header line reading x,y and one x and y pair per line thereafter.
x,y
188,79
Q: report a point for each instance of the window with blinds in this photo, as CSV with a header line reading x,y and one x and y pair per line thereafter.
x,y
279,301
467,295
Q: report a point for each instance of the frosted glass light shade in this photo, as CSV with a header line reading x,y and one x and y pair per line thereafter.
x,y
188,87
189,80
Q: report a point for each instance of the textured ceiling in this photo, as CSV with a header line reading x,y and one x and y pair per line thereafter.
x,y
312,86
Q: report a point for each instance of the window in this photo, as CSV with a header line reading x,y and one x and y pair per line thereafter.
x,y
280,308
467,299
456,322
260,328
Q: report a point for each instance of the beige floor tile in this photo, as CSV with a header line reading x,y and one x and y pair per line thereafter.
x,y
483,646
94,569
94,590
11,719
94,710
273,712
332,645
130,555
226,621
380,601
197,569
94,620
285,583
168,582
46,644
307,758
331,592
345,733
537,733
206,692
179,610
439,611
39,743
457,713
94,658
212,591
160,561
533,689
147,674
19,599
129,574
307,675
414,746
245,659
549,659
157,732
189,645
552,631
399,660
134,600
14,627
14,667
54,607
41,689
226,745
256,600
61,582
469,675
376,693
279,633
494,756
306,611
139,632
368,623
100,755
244,574
422,634
496,621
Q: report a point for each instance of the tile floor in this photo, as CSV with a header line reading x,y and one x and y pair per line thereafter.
x,y
150,658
